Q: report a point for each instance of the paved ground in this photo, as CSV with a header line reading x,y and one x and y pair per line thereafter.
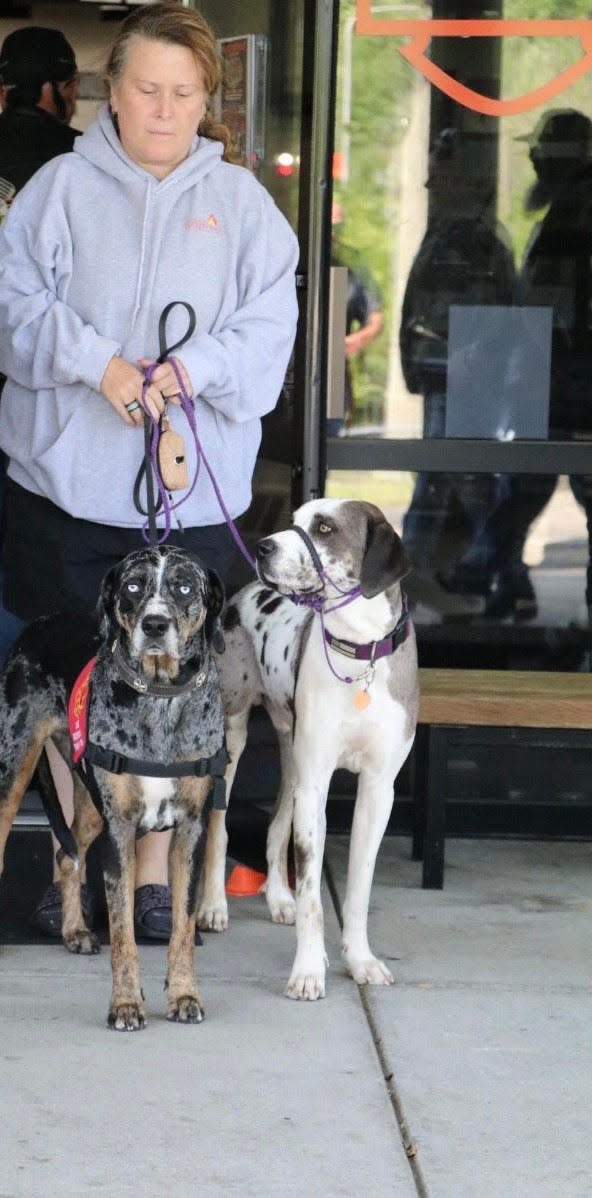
x,y
470,1078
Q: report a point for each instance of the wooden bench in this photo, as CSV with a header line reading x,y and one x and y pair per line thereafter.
x,y
529,708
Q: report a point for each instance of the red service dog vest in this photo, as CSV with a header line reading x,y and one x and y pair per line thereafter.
x,y
78,711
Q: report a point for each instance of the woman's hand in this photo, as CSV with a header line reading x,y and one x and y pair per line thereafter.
x,y
123,385
166,380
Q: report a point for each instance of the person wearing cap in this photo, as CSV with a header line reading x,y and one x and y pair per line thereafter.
x,y
39,85
556,272
38,89
464,258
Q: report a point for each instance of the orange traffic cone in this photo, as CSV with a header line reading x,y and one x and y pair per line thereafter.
x,y
244,881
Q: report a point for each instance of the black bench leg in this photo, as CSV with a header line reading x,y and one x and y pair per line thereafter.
x,y
435,808
419,789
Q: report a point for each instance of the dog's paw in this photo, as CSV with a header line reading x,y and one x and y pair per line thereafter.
x,y
306,982
282,905
126,1017
213,917
368,971
185,1010
82,941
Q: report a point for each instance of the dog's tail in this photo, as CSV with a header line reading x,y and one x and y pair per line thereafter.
x,y
53,808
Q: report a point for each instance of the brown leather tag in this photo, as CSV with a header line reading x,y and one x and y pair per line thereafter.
x,y
172,462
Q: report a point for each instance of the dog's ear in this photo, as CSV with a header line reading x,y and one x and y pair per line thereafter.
x,y
385,560
105,609
215,605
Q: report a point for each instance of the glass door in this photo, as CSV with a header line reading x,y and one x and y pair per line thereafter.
x,y
462,189
284,114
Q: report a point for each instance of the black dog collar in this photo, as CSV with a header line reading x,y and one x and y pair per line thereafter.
x,y
374,649
163,690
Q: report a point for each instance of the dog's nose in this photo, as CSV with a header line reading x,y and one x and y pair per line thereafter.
x,y
265,548
155,625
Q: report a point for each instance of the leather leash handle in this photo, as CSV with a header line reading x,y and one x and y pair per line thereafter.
x,y
165,351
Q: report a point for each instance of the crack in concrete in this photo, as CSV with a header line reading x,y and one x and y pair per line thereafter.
x,y
409,1145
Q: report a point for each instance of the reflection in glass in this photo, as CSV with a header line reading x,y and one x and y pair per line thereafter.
x,y
554,554
452,209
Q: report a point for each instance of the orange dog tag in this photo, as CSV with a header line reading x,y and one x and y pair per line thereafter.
x,y
362,700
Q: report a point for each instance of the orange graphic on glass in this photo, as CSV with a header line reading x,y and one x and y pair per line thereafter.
x,y
421,32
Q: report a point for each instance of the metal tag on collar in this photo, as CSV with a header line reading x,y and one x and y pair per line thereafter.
x,y
363,698
346,647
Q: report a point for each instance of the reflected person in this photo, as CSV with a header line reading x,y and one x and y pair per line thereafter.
x,y
556,272
364,319
465,258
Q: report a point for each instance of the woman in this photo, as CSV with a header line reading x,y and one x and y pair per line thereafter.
x,y
143,212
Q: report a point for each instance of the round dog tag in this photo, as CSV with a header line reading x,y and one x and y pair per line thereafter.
x,y
362,700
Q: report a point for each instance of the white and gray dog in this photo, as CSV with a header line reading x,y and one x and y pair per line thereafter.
x,y
324,642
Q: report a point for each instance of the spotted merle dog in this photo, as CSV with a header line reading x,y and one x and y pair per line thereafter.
x,y
151,754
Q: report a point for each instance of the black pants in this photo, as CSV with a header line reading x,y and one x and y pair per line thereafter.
x,y
55,562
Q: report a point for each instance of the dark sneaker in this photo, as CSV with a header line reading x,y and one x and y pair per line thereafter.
x,y
47,916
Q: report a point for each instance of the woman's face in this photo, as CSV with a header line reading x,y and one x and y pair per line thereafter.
x,y
159,101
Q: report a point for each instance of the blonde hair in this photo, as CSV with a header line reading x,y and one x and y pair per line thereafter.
x,y
179,26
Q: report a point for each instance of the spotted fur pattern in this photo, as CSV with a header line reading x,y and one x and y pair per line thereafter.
x,y
276,657
163,610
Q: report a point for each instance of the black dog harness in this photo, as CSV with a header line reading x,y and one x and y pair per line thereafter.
x,y
86,754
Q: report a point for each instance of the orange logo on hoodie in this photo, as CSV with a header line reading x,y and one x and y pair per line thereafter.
x,y
204,224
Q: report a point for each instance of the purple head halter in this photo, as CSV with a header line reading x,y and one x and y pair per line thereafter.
x,y
318,602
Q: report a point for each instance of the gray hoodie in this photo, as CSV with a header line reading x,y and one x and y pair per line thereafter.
x,y
91,252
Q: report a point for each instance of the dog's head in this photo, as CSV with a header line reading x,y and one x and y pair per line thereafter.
x,y
355,544
162,604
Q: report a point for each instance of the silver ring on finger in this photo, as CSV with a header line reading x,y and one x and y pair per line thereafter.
x,y
132,407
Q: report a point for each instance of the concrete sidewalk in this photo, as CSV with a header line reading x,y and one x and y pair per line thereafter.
x,y
478,1062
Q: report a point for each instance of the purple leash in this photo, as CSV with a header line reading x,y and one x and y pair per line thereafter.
x,y
152,438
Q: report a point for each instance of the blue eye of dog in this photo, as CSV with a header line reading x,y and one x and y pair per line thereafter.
x,y
184,588
133,587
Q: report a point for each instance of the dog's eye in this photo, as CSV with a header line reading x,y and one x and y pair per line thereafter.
x,y
324,528
133,587
185,588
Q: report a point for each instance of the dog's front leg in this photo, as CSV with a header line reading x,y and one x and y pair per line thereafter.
x,y
184,1003
373,806
86,826
126,1012
307,979
280,899
212,914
